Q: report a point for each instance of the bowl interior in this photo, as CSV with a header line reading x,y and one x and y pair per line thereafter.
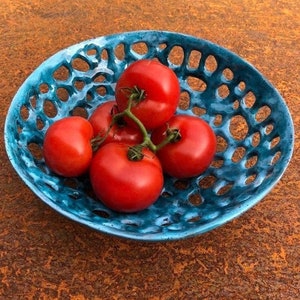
x,y
252,123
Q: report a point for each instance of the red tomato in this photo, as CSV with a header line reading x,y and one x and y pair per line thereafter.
x,y
161,92
192,153
101,119
67,146
124,185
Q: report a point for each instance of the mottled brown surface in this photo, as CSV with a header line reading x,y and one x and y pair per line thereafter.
x,y
45,256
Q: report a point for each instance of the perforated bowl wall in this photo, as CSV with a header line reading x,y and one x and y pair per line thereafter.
x,y
252,123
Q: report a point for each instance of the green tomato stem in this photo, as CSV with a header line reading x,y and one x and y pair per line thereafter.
x,y
146,139
98,139
173,135
135,152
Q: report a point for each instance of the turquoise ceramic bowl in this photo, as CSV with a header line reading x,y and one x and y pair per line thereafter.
x,y
250,118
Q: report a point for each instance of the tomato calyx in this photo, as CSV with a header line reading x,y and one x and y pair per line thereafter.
x,y
134,94
135,153
175,135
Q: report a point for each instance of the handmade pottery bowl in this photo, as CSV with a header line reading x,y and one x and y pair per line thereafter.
x,y
251,121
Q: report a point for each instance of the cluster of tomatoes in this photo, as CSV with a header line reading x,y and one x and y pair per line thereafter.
x,y
128,143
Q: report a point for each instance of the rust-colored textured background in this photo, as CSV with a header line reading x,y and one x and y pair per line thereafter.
x,y
45,256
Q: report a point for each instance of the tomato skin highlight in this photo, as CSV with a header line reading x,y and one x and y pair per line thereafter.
x,y
161,92
124,185
67,146
193,153
101,119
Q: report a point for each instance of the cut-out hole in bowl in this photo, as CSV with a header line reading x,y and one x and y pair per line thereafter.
x,y
79,85
166,194
221,143
263,113
194,59
249,99
224,189
236,104
101,90
104,55
207,182
198,111
223,91
162,46
194,219
33,101
119,51
238,127
251,161
195,199
19,128
227,74
218,120
71,183
35,150
49,108
92,51
62,94
181,184
24,112
217,163
80,64
269,128
276,158
140,48
101,213
79,111
275,141
89,96
184,101
62,73
39,123
238,154
211,64
255,139
196,84
44,88
99,78
250,179
241,86
176,56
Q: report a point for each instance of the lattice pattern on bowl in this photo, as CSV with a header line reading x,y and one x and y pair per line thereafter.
x,y
250,119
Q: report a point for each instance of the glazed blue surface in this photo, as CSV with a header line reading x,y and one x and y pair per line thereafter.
x,y
247,164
